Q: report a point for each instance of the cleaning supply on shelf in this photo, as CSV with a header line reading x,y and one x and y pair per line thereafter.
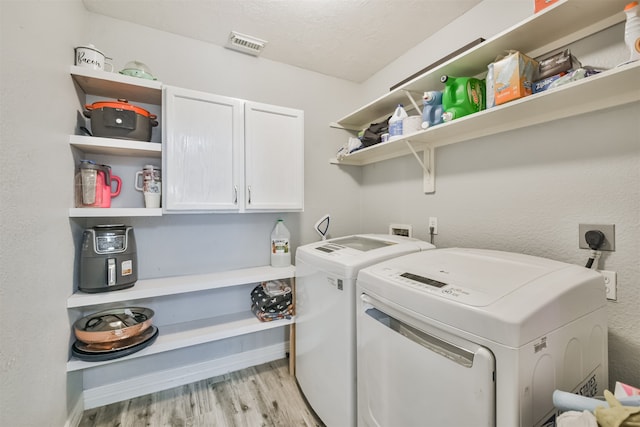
x,y
280,250
395,122
632,30
432,108
489,84
561,62
461,96
513,76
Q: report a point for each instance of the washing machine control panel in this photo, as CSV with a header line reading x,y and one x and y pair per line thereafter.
x,y
328,248
423,280
433,286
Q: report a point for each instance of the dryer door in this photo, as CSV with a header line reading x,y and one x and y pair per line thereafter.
x,y
412,374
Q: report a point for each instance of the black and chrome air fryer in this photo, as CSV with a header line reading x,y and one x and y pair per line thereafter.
x,y
108,258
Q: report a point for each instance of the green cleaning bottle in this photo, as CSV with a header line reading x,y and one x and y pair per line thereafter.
x,y
462,96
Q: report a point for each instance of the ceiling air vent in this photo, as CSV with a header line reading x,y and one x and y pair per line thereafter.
x,y
245,44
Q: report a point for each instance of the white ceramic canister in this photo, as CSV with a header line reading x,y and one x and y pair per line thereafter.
x,y
90,57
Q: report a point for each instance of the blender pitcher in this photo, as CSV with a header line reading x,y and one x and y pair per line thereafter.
x,y
94,185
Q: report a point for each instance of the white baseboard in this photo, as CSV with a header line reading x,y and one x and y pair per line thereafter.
x,y
75,416
163,380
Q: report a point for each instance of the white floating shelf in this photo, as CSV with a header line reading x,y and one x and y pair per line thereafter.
x,y
113,146
180,335
113,212
149,288
116,85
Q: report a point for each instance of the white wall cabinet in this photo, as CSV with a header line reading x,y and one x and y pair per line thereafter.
x,y
274,158
224,154
203,151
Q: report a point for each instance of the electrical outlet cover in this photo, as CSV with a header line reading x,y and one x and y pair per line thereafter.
x,y
609,235
610,284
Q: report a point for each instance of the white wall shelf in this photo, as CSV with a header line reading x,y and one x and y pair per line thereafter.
x,y
189,333
113,212
556,26
186,334
116,86
608,89
149,288
112,146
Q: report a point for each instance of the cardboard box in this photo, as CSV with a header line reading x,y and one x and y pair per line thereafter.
x,y
542,85
541,4
513,77
560,62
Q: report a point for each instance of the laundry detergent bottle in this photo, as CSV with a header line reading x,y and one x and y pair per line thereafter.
x,y
395,122
280,249
431,109
632,30
462,96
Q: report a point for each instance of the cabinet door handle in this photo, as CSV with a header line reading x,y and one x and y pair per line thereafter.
x,y
249,190
235,192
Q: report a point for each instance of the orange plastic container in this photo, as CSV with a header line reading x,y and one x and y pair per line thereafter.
x,y
541,4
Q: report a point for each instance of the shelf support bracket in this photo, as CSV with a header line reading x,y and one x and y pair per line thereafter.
x,y
428,166
415,105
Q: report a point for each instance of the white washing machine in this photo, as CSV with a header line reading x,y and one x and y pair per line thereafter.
x,y
469,337
325,339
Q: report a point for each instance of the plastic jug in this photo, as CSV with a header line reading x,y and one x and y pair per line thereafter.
x,y
94,185
432,109
462,96
632,30
280,252
395,122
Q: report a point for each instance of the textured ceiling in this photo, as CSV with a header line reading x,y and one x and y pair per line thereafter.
x,y
348,39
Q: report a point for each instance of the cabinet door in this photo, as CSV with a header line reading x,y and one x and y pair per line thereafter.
x,y
274,158
202,152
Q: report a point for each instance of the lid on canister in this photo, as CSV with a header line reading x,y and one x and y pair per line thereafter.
x,y
631,5
121,104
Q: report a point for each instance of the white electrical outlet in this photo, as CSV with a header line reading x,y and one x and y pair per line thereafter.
x,y
610,283
433,222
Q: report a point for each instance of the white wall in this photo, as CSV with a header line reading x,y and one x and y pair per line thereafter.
x,y
39,104
527,190
37,100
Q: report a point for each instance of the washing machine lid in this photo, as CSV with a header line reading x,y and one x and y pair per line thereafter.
x,y
346,255
510,297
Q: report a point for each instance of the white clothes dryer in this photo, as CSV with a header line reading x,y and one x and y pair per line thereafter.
x,y
469,337
325,340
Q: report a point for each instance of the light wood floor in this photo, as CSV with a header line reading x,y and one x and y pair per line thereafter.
x,y
265,395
